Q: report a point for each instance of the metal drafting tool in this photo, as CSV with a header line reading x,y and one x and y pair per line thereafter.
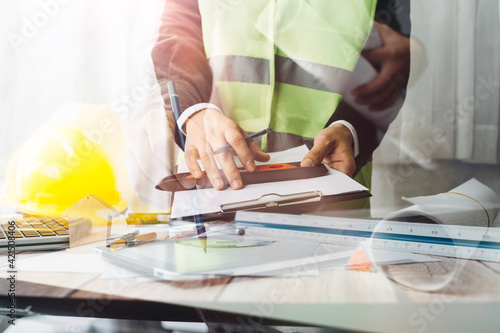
x,y
479,243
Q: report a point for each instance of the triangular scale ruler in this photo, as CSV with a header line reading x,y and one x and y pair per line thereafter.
x,y
479,243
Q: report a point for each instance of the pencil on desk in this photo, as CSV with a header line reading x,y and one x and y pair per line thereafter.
x,y
199,231
214,225
186,234
176,108
202,232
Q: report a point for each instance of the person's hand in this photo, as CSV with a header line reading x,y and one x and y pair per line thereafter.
x,y
393,58
332,146
208,130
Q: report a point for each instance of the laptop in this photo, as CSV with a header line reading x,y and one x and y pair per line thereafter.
x,y
33,233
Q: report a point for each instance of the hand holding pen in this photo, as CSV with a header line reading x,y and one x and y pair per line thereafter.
x,y
248,139
209,131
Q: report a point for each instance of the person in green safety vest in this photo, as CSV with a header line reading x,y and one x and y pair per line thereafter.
x,y
242,66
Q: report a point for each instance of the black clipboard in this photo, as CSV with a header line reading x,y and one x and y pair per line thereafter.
x,y
296,203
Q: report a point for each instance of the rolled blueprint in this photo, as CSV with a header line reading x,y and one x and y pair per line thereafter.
x,y
472,204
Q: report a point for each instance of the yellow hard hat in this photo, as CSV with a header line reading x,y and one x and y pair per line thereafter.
x,y
55,168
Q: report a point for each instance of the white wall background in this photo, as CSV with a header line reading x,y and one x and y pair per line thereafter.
x,y
55,52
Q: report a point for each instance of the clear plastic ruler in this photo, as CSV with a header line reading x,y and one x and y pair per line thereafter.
x,y
467,242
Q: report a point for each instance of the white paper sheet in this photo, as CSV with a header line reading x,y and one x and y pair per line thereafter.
x,y
209,200
63,262
471,203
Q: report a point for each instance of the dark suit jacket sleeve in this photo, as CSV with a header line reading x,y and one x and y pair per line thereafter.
x,y
179,54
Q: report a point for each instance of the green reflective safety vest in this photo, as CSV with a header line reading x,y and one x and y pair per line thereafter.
x,y
283,63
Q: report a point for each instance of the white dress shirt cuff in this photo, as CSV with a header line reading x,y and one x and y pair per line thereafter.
x,y
353,132
191,111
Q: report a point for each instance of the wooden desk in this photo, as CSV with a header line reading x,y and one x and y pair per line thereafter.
x,y
367,301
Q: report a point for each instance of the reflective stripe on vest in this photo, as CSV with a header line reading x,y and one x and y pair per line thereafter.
x,y
290,71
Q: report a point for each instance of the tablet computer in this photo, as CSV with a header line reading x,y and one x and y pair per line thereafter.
x,y
226,255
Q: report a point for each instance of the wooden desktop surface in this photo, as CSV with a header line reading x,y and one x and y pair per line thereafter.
x,y
335,298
